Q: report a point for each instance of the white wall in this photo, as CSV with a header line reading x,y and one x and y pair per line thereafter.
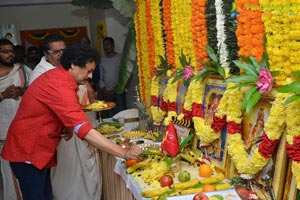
x,y
44,16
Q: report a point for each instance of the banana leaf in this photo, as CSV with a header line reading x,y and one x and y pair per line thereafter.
x,y
125,7
128,60
98,4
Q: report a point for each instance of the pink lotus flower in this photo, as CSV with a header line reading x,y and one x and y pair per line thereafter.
x,y
188,72
265,81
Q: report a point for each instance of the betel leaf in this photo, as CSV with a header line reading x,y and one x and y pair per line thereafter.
x,y
248,68
292,88
253,101
292,98
243,79
248,96
211,53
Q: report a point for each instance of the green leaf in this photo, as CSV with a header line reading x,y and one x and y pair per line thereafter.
x,y
148,153
186,142
248,69
293,88
125,7
99,4
253,101
242,79
239,85
221,71
248,96
292,98
128,61
211,53
255,64
275,73
296,74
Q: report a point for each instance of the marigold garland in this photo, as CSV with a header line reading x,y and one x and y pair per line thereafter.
x,y
236,148
199,30
157,114
292,121
250,29
205,132
170,96
166,4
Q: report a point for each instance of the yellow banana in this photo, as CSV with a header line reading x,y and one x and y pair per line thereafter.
x,y
223,186
191,191
155,192
138,165
185,185
188,158
214,179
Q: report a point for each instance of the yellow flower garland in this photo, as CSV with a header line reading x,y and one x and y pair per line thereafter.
x,y
236,148
170,95
157,114
203,131
292,121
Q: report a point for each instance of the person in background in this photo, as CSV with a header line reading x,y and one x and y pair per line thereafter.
x,y
32,57
20,54
109,76
13,82
34,134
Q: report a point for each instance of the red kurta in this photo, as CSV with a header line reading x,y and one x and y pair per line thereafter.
x,y
49,104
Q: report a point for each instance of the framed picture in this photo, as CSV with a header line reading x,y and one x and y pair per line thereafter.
x,y
253,128
217,151
290,189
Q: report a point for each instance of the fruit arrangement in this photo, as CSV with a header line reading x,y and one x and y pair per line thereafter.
x,y
110,127
97,105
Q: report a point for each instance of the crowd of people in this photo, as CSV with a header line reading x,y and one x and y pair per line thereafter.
x,y
41,101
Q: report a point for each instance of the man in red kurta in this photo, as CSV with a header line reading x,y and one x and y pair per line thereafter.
x,y
46,108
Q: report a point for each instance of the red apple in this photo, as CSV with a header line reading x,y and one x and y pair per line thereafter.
x,y
243,192
200,196
166,180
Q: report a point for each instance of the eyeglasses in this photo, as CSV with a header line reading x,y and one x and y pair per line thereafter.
x,y
7,51
56,51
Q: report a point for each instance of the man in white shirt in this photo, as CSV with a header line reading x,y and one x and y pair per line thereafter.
x,y
13,81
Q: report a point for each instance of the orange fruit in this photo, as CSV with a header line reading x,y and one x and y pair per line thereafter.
x,y
130,163
209,188
205,171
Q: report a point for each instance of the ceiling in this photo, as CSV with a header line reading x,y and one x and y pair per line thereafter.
x,y
30,2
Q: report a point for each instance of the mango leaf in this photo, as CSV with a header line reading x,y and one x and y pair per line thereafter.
x,y
296,74
178,76
275,73
183,61
292,88
248,68
128,60
201,74
242,79
211,53
253,101
186,142
292,98
221,71
255,64
239,85
164,66
248,96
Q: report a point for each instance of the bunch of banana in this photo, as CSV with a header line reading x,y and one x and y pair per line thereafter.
x,y
213,179
191,156
139,165
96,105
185,185
152,136
223,186
155,192
134,134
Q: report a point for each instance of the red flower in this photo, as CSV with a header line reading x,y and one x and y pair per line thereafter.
x,y
218,123
293,151
267,146
233,127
